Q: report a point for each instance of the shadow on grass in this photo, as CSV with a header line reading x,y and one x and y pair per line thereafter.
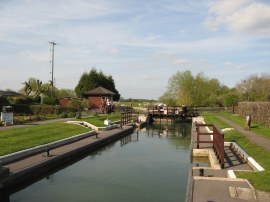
x,y
254,126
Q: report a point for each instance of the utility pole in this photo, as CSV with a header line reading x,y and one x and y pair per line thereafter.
x,y
52,61
53,44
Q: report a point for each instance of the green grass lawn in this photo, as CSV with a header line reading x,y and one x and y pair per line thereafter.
x,y
256,128
212,118
98,120
14,140
260,180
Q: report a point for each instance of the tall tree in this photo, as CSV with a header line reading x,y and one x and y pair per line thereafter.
x,y
255,88
94,79
66,93
184,88
179,89
229,97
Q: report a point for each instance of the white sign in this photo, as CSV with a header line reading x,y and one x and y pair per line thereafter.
x,y
7,118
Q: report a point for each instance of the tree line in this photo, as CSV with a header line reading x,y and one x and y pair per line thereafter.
x,y
186,89
40,92
183,88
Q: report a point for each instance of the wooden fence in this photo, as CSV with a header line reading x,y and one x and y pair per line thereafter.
x,y
173,111
128,117
217,142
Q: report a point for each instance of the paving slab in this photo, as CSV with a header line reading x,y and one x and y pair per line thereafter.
x,y
214,189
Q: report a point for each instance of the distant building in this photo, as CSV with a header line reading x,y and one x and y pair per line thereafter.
x,y
99,97
63,101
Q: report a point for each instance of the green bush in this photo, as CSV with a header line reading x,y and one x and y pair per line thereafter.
x,y
64,115
51,116
21,100
42,109
22,109
25,109
48,100
71,114
4,100
66,109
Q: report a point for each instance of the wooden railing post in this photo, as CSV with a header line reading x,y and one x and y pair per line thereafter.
x,y
198,136
218,141
218,144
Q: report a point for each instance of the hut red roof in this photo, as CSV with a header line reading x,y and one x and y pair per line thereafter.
x,y
99,91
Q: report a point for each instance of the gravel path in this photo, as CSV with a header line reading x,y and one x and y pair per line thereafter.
x,y
253,137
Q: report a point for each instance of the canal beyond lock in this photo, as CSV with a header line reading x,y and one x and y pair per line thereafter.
x,y
152,164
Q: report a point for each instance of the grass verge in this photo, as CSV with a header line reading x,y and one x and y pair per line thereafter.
x,y
98,120
260,180
256,128
211,118
23,138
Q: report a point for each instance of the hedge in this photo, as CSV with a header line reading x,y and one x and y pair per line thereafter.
x,y
260,111
39,109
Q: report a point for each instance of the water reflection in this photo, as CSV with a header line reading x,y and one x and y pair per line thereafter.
x,y
51,179
130,138
101,150
170,130
178,134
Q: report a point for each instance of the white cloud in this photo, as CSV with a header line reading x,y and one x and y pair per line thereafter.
x,y
189,6
137,42
144,77
228,63
51,11
254,18
226,7
244,16
233,65
46,17
181,62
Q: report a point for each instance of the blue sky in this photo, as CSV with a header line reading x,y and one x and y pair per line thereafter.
x,y
140,43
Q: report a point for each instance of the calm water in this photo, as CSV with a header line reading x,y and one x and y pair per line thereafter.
x,y
150,165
